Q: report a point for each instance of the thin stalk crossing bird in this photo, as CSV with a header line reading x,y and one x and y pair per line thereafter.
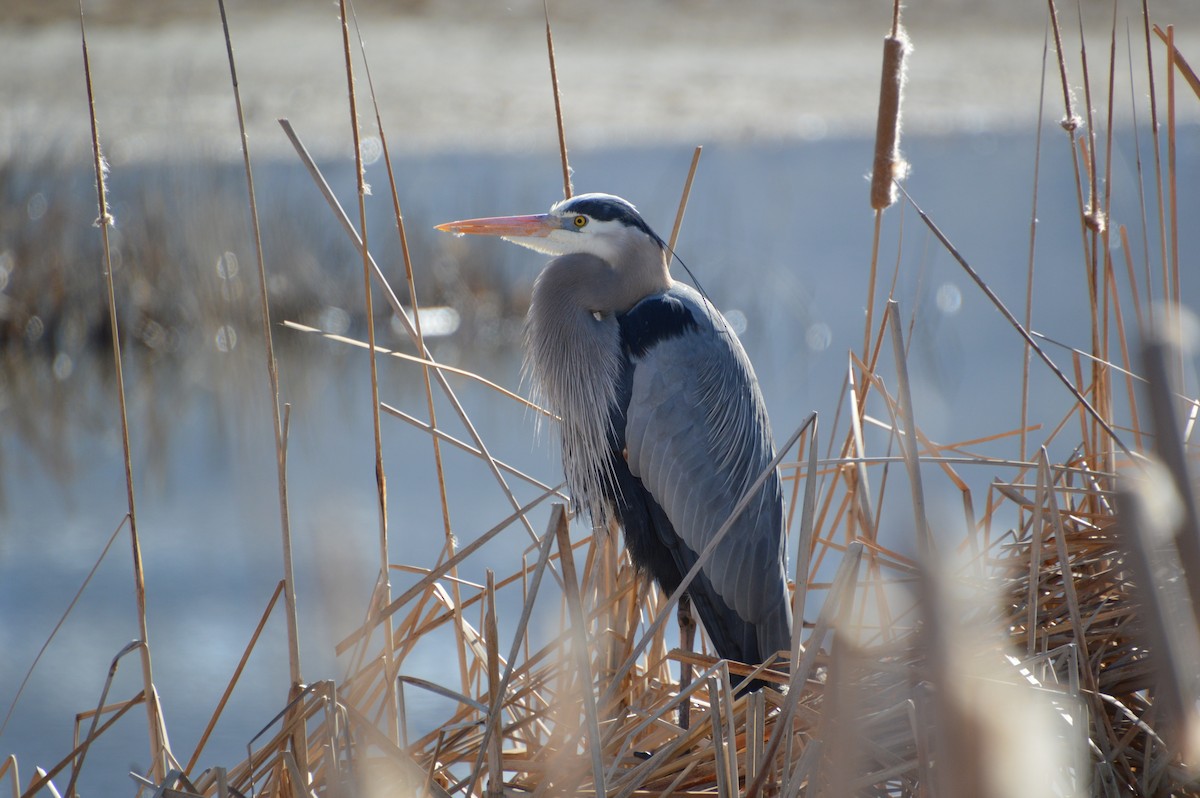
x,y
663,425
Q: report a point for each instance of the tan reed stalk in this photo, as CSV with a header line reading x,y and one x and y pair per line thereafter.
x,y
385,586
1141,189
1158,173
1181,64
1104,447
447,530
558,114
908,441
1123,337
1027,354
10,764
683,199
1071,123
278,426
862,490
495,783
104,221
1095,223
805,540
686,623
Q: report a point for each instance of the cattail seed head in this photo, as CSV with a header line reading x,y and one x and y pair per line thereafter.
x,y
889,165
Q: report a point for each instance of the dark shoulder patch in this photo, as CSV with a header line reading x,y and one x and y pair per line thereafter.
x,y
656,318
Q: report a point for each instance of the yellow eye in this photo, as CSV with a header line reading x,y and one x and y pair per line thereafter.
x,y
581,221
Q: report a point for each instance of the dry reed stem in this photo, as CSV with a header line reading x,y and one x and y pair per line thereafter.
x,y
10,764
233,680
683,199
383,590
908,442
1026,354
278,426
558,114
104,220
406,257
43,778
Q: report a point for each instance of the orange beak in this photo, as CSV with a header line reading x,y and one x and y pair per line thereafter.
x,y
538,225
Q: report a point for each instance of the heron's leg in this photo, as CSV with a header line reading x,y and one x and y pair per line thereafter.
x,y
687,637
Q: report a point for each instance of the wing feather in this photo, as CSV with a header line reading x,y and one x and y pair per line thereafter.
x,y
697,437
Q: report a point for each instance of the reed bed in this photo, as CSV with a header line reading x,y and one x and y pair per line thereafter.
x,y
1040,645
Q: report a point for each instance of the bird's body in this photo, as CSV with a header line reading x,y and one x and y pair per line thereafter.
x,y
663,425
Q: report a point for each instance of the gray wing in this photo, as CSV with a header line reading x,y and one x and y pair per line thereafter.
x,y
697,436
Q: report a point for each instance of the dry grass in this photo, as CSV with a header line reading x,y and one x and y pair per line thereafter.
x,y
1050,654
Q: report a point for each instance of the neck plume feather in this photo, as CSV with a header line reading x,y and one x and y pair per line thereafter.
x,y
575,363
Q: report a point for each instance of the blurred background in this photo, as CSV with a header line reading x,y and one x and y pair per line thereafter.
x,y
782,96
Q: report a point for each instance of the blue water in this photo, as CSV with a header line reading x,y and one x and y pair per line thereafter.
x,y
779,233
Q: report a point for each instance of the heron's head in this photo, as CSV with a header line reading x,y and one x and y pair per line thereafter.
x,y
597,224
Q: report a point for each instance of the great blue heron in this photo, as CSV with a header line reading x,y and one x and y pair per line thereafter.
x,y
663,424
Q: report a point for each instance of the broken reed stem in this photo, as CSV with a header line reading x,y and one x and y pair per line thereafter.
x,y
104,221
683,199
804,542
278,425
908,441
82,749
237,673
558,114
348,226
44,777
495,784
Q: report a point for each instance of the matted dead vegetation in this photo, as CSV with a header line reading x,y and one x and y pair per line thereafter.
x,y
1045,645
